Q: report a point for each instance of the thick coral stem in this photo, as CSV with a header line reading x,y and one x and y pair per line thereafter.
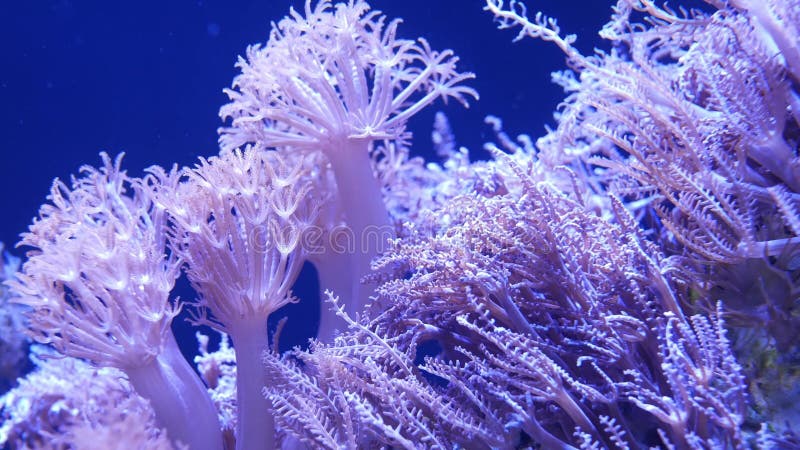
x,y
255,428
180,400
368,227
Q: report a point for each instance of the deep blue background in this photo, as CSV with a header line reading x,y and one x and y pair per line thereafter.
x,y
146,78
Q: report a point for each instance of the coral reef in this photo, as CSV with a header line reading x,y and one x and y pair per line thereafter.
x,y
692,119
628,280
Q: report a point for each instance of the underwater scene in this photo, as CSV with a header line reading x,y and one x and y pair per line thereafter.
x,y
385,224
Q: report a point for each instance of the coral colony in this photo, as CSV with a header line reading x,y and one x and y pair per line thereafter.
x,y
628,280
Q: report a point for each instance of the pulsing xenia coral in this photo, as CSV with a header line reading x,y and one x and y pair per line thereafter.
x,y
329,77
67,403
97,283
107,253
333,81
237,221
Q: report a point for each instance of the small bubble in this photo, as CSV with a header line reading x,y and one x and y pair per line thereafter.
x,y
213,29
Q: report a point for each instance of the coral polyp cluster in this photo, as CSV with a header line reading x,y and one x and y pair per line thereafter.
x,y
628,280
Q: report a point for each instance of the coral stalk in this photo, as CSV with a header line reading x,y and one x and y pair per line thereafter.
x,y
334,82
179,398
367,219
98,282
255,427
238,221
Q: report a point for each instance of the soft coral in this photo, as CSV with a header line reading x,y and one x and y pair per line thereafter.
x,y
334,81
98,280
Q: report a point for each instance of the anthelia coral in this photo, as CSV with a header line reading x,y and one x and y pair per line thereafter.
x,y
218,370
629,280
553,325
692,119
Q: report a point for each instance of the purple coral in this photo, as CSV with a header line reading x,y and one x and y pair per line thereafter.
x,y
238,221
97,283
563,296
333,80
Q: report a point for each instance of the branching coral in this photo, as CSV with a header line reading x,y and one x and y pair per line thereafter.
x,y
778,26
98,281
553,325
365,391
696,119
692,119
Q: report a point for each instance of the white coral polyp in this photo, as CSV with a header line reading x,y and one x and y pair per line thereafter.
x,y
333,80
97,280
338,73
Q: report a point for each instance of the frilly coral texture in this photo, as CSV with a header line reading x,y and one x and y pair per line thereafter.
x,y
98,280
336,72
628,280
